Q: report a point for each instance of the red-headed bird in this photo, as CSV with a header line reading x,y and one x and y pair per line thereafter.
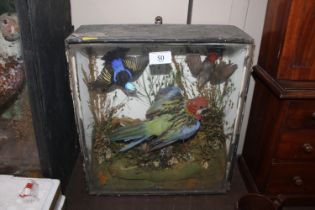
x,y
213,69
169,119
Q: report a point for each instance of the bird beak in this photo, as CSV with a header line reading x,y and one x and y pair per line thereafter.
x,y
202,111
130,87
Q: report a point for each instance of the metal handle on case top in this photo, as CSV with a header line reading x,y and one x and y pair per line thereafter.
x,y
298,181
308,148
158,20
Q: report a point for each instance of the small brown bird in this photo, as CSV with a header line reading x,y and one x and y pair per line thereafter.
x,y
213,69
194,63
222,71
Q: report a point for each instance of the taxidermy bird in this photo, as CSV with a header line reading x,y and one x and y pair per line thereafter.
x,y
11,68
213,69
169,119
120,71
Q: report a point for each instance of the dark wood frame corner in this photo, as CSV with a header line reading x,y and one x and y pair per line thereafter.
x,y
44,25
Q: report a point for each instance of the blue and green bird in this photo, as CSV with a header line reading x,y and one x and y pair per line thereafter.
x,y
120,71
169,119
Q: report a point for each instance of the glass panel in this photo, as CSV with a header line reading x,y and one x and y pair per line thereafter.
x,y
18,151
158,117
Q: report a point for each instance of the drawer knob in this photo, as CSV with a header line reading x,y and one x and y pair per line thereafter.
x,y
298,181
313,115
308,148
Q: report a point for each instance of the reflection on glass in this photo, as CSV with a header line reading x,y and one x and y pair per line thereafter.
x,y
18,151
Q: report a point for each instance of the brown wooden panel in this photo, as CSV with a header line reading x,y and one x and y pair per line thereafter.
x,y
273,35
293,151
296,145
297,61
301,115
286,89
262,132
292,178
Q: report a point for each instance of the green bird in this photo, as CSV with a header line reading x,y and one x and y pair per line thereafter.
x,y
169,119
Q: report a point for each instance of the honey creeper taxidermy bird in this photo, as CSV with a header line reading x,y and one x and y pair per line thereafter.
x,y
120,71
213,69
169,119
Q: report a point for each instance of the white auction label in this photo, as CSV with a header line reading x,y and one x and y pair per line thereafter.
x,y
163,57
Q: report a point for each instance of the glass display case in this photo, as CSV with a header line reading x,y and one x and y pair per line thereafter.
x,y
159,107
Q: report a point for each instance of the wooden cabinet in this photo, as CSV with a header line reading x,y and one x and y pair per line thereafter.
x,y
291,178
279,150
288,44
297,57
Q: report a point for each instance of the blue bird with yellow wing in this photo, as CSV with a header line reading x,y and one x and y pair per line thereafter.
x,y
120,71
169,119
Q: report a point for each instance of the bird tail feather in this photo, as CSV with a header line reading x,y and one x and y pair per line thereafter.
x,y
133,144
129,133
158,144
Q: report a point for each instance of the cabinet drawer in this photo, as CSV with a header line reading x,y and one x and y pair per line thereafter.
x,y
301,115
296,145
291,178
